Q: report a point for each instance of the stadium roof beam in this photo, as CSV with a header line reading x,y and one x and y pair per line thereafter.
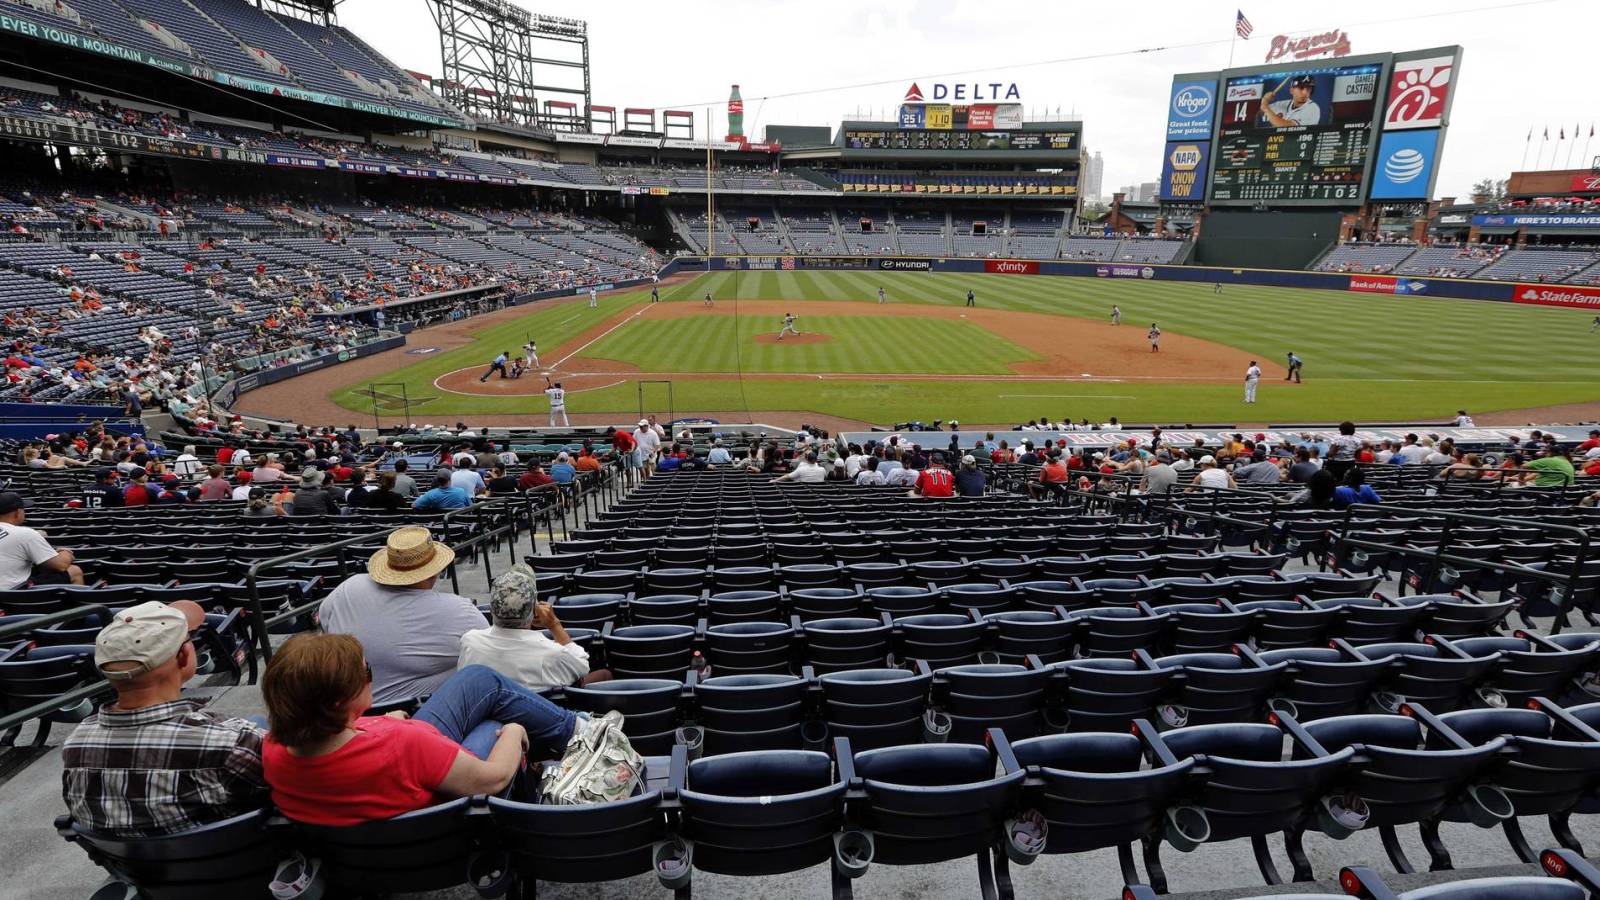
x,y
318,11
500,62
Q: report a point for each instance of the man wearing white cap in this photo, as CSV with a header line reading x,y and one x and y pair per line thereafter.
x,y
411,631
153,763
1210,476
648,442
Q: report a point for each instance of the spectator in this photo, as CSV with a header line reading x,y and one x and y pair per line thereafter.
x,y
1052,476
588,462
807,472
412,631
171,494
1342,450
1161,477
138,492
900,476
26,555
187,465
152,763
466,478
648,442
215,487
328,764
310,499
268,470
443,495
562,471
1210,476
404,484
382,496
1301,470
869,476
534,477
1259,470
933,481
1553,469
514,645
1318,492
719,454
1411,452
1354,490
501,484
970,480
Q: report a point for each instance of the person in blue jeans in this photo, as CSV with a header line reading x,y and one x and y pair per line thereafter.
x,y
329,763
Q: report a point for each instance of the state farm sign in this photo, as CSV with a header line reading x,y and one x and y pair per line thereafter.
x,y
1011,266
1558,295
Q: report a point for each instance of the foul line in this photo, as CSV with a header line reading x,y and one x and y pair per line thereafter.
x,y
1068,396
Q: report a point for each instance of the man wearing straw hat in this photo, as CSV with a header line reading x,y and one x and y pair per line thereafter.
x,y
411,632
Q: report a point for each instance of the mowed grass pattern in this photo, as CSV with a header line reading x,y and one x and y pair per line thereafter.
x,y
1368,357
858,344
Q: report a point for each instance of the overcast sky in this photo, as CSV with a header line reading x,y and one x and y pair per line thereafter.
x,y
825,54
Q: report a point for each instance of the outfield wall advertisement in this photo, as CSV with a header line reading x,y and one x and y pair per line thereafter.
x,y
1569,295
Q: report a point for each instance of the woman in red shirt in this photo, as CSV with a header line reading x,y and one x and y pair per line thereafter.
x,y
328,764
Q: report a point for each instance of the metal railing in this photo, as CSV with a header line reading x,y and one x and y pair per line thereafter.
x,y
1439,555
21,626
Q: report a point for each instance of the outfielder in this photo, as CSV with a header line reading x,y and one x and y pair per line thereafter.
x,y
1155,338
881,298
558,402
707,303
788,326
1294,368
594,298
1595,325
972,299
1252,377
1116,314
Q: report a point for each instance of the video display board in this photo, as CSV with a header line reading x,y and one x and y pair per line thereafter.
x,y
1300,133
912,139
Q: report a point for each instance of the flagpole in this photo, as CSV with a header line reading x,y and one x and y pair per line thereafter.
x,y
1525,145
1586,144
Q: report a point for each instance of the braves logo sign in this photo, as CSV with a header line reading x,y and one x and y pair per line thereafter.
x,y
1417,92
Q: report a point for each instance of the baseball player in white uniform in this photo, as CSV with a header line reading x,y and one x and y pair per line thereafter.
x,y
882,297
530,354
1252,377
1155,338
594,298
1299,109
558,403
1116,314
788,326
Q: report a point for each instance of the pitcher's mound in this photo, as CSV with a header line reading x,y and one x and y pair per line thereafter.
x,y
808,337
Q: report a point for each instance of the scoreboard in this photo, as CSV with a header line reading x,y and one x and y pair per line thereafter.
x,y
1295,134
1293,164
912,139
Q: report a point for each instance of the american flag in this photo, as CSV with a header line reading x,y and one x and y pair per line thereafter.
x,y
1242,26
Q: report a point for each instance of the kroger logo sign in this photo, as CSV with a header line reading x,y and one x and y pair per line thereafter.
x,y
1192,110
1192,101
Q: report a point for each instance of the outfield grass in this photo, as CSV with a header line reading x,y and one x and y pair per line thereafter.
x,y
1369,357
857,344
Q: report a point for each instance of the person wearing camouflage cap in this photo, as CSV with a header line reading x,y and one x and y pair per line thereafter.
x,y
525,641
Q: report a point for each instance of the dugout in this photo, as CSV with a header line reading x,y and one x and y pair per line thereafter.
x,y
1247,239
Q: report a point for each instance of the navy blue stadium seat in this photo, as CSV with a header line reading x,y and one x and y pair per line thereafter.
x,y
233,858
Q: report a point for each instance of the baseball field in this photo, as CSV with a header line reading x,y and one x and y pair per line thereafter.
x,y
1032,346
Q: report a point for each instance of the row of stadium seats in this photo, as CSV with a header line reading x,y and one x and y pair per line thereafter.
x,y
1532,263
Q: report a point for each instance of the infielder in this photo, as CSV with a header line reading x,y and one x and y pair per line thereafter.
x,y
1155,338
1116,314
594,298
881,296
707,304
530,354
788,326
1299,109
1294,368
1252,377
558,402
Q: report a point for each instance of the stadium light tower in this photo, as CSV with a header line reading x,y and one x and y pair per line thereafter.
x,y
500,62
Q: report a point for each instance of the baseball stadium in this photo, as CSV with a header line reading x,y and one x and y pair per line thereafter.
x,y
419,477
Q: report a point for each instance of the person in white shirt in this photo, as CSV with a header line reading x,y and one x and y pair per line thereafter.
x,y
718,456
1210,476
594,299
25,554
1463,420
1182,463
558,403
807,472
1440,455
853,462
1252,377
241,458
901,477
187,465
514,644
869,474
467,478
649,443
1412,453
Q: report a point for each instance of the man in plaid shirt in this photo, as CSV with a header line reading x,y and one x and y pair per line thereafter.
x,y
153,763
